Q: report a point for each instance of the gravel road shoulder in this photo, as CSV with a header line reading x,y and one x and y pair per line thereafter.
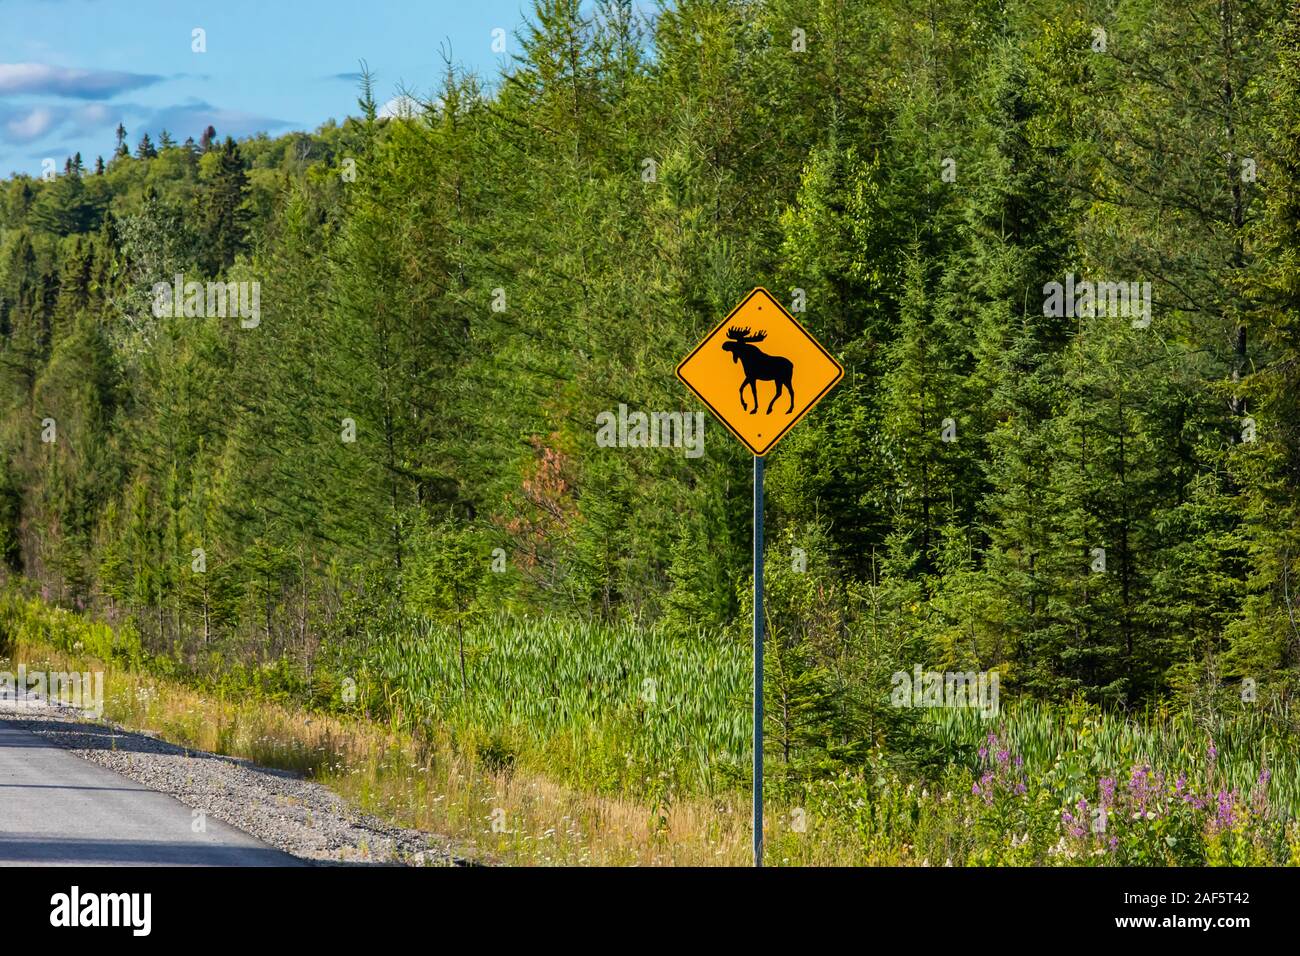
x,y
302,818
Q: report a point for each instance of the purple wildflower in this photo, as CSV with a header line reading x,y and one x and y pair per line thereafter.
x,y
1139,787
1223,816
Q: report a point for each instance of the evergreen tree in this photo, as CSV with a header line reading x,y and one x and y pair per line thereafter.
x,y
223,214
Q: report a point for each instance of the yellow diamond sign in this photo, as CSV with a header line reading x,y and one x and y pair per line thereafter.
x,y
759,371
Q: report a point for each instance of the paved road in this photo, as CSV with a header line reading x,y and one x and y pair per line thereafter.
x,y
57,809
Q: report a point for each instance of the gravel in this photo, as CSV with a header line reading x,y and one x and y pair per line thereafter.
x,y
282,809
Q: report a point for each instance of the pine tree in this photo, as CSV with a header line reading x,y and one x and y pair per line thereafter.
x,y
1018,232
223,213
1267,636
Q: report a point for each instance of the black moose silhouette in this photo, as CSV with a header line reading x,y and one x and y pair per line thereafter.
x,y
759,367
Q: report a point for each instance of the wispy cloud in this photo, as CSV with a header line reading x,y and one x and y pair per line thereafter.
x,y
27,123
193,116
23,126
92,124
43,79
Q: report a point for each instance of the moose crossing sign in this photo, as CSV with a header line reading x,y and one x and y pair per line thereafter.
x,y
759,371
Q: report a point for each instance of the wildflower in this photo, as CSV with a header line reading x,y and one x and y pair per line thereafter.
x,y
1223,817
1140,786
1259,799
1211,752
1107,791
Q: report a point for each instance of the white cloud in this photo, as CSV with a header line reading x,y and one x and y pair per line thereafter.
x,y
25,127
94,114
401,107
61,81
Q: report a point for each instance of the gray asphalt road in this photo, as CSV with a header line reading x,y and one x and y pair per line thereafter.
x,y
57,809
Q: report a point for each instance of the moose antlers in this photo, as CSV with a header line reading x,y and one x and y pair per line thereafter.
x,y
743,335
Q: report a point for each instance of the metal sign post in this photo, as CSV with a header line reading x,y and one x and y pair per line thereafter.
x,y
758,661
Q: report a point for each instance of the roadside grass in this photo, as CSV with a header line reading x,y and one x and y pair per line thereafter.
x,y
493,816
1219,788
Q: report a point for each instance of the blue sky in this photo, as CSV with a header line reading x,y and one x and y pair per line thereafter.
x,y
71,70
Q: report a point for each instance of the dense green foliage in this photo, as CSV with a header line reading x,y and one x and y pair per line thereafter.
x,y
403,443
